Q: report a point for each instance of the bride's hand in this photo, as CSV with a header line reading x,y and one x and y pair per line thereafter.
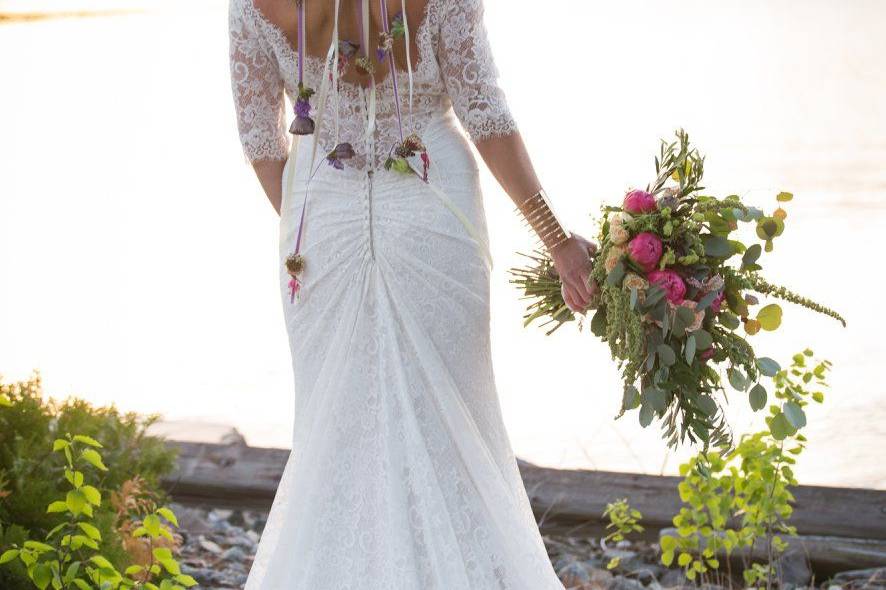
x,y
573,262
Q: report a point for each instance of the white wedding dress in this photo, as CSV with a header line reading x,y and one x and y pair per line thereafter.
x,y
401,475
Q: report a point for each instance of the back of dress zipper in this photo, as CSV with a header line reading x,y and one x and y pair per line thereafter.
x,y
369,189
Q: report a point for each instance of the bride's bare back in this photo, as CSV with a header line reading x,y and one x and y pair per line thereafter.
x,y
320,18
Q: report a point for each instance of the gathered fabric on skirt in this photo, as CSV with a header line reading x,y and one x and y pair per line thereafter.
x,y
401,474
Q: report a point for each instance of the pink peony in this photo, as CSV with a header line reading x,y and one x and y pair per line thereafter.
x,y
670,281
645,250
638,201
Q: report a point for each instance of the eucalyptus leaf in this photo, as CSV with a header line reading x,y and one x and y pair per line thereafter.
x,y
617,274
655,398
752,254
705,301
716,246
757,397
666,355
795,414
689,350
707,405
768,366
631,398
653,295
703,339
646,415
685,315
737,379
729,320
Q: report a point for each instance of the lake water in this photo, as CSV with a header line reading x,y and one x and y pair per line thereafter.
x,y
138,256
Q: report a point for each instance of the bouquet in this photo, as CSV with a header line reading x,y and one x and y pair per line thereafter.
x,y
677,289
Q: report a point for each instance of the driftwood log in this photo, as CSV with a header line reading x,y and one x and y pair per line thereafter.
x,y
842,528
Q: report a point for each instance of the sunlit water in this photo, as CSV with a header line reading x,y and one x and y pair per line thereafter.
x,y
138,256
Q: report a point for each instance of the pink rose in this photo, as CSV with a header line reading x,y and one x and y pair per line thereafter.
x,y
670,281
645,250
638,201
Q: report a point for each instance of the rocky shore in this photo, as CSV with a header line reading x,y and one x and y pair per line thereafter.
x,y
219,545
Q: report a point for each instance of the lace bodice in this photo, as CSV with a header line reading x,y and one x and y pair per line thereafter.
x,y
454,69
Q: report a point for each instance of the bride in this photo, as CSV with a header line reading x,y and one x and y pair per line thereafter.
x,y
401,474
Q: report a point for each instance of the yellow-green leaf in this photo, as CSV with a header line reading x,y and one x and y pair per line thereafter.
x,y
91,531
186,580
168,515
91,456
8,555
784,197
171,566
38,546
87,440
57,506
41,575
684,559
613,563
100,561
81,540
76,501
770,317
93,496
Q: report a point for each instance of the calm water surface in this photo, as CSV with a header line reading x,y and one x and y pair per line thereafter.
x,y
138,257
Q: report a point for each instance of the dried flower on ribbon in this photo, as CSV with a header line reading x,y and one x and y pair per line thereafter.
x,y
398,26
343,151
295,266
364,66
303,123
346,50
385,45
410,147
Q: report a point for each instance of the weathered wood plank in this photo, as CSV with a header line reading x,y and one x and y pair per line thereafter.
x,y
576,496
562,499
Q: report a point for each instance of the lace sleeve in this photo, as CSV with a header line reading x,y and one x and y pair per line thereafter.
x,y
469,71
257,88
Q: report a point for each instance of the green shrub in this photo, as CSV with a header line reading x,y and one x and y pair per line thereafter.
x,y
736,501
69,557
623,521
31,479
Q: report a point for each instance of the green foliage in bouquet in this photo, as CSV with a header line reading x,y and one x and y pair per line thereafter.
x,y
31,477
736,501
676,285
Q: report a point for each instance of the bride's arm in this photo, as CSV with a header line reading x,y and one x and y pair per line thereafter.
x,y
270,175
472,84
509,162
258,100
